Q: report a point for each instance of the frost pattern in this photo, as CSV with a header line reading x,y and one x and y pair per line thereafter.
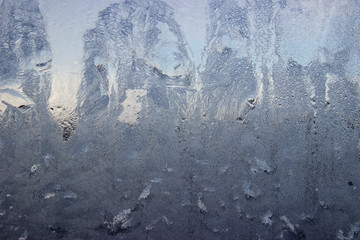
x,y
257,139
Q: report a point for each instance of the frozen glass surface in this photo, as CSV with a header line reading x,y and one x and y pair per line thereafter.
x,y
179,119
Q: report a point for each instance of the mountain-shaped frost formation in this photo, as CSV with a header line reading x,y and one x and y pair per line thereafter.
x,y
144,136
135,55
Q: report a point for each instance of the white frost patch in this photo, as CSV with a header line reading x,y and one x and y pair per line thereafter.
x,y
294,229
222,203
351,234
288,224
201,204
2,213
24,235
119,220
238,208
145,193
48,158
310,87
156,180
167,169
249,216
49,195
266,219
70,195
166,220
34,168
224,169
260,87
209,189
330,79
13,95
323,204
260,165
307,217
131,106
251,190
153,223
203,162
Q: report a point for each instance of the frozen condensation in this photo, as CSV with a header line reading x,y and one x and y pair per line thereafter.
x,y
179,119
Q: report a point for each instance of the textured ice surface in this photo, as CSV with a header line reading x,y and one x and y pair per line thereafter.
x,y
131,106
150,119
